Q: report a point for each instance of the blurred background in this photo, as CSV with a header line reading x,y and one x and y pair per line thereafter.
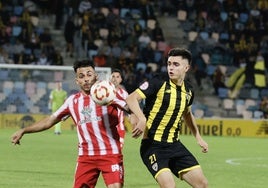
x,y
40,40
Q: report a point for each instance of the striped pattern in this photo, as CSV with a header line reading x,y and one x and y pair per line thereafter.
x,y
165,104
96,125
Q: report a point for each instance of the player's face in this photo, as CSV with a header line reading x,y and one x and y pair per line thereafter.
x,y
177,68
85,78
116,78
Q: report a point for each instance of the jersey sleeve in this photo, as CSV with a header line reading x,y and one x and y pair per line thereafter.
x,y
63,112
149,88
190,92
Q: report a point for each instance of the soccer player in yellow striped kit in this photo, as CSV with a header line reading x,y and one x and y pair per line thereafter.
x,y
168,101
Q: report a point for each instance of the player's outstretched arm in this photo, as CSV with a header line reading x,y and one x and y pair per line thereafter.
x,y
42,125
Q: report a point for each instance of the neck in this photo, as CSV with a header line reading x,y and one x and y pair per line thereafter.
x,y
178,82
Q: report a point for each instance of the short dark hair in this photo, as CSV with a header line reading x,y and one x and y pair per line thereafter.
x,y
119,71
184,53
83,63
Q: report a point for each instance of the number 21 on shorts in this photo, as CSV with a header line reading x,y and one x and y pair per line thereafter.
x,y
152,158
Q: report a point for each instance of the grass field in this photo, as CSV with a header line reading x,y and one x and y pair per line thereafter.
x,y
46,160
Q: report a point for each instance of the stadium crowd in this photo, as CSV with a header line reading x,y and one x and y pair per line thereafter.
x,y
127,35
232,33
111,33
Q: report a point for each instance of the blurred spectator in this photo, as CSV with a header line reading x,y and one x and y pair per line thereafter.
x,y
264,106
43,59
126,52
45,38
4,58
200,22
252,46
99,19
148,73
168,7
131,40
218,80
140,76
58,10
240,47
18,49
44,6
130,81
30,6
4,38
157,33
144,39
199,68
34,41
114,34
112,19
57,58
69,31
105,48
116,49
147,10
84,5
24,36
137,28
99,60
30,59
147,54
78,49
56,98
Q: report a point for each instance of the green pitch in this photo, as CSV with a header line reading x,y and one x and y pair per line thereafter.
x,y
46,160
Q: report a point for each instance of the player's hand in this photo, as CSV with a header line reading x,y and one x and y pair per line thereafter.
x,y
203,145
15,138
139,128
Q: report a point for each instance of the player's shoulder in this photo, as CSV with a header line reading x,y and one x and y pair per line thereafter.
x,y
188,85
159,78
154,83
74,96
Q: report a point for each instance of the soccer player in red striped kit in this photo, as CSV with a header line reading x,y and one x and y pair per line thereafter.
x,y
122,94
99,150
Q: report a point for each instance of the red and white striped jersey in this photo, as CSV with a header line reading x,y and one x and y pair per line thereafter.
x,y
121,96
96,125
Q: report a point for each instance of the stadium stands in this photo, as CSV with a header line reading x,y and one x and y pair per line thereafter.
x,y
209,38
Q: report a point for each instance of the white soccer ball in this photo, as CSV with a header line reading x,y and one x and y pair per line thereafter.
x,y
103,92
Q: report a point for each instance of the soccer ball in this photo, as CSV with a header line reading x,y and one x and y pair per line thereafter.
x,y
103,92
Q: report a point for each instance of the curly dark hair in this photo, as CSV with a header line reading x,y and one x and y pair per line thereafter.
x,y
83,63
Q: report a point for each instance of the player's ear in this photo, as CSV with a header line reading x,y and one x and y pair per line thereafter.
x,y
96,77
76,81
187,67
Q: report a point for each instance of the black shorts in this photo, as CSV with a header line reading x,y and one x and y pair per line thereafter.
x,y
159,156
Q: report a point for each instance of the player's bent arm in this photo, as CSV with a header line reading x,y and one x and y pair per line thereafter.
x,y
133,103
39,126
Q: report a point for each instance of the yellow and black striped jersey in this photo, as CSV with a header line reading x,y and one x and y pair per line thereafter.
x,y
165,103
